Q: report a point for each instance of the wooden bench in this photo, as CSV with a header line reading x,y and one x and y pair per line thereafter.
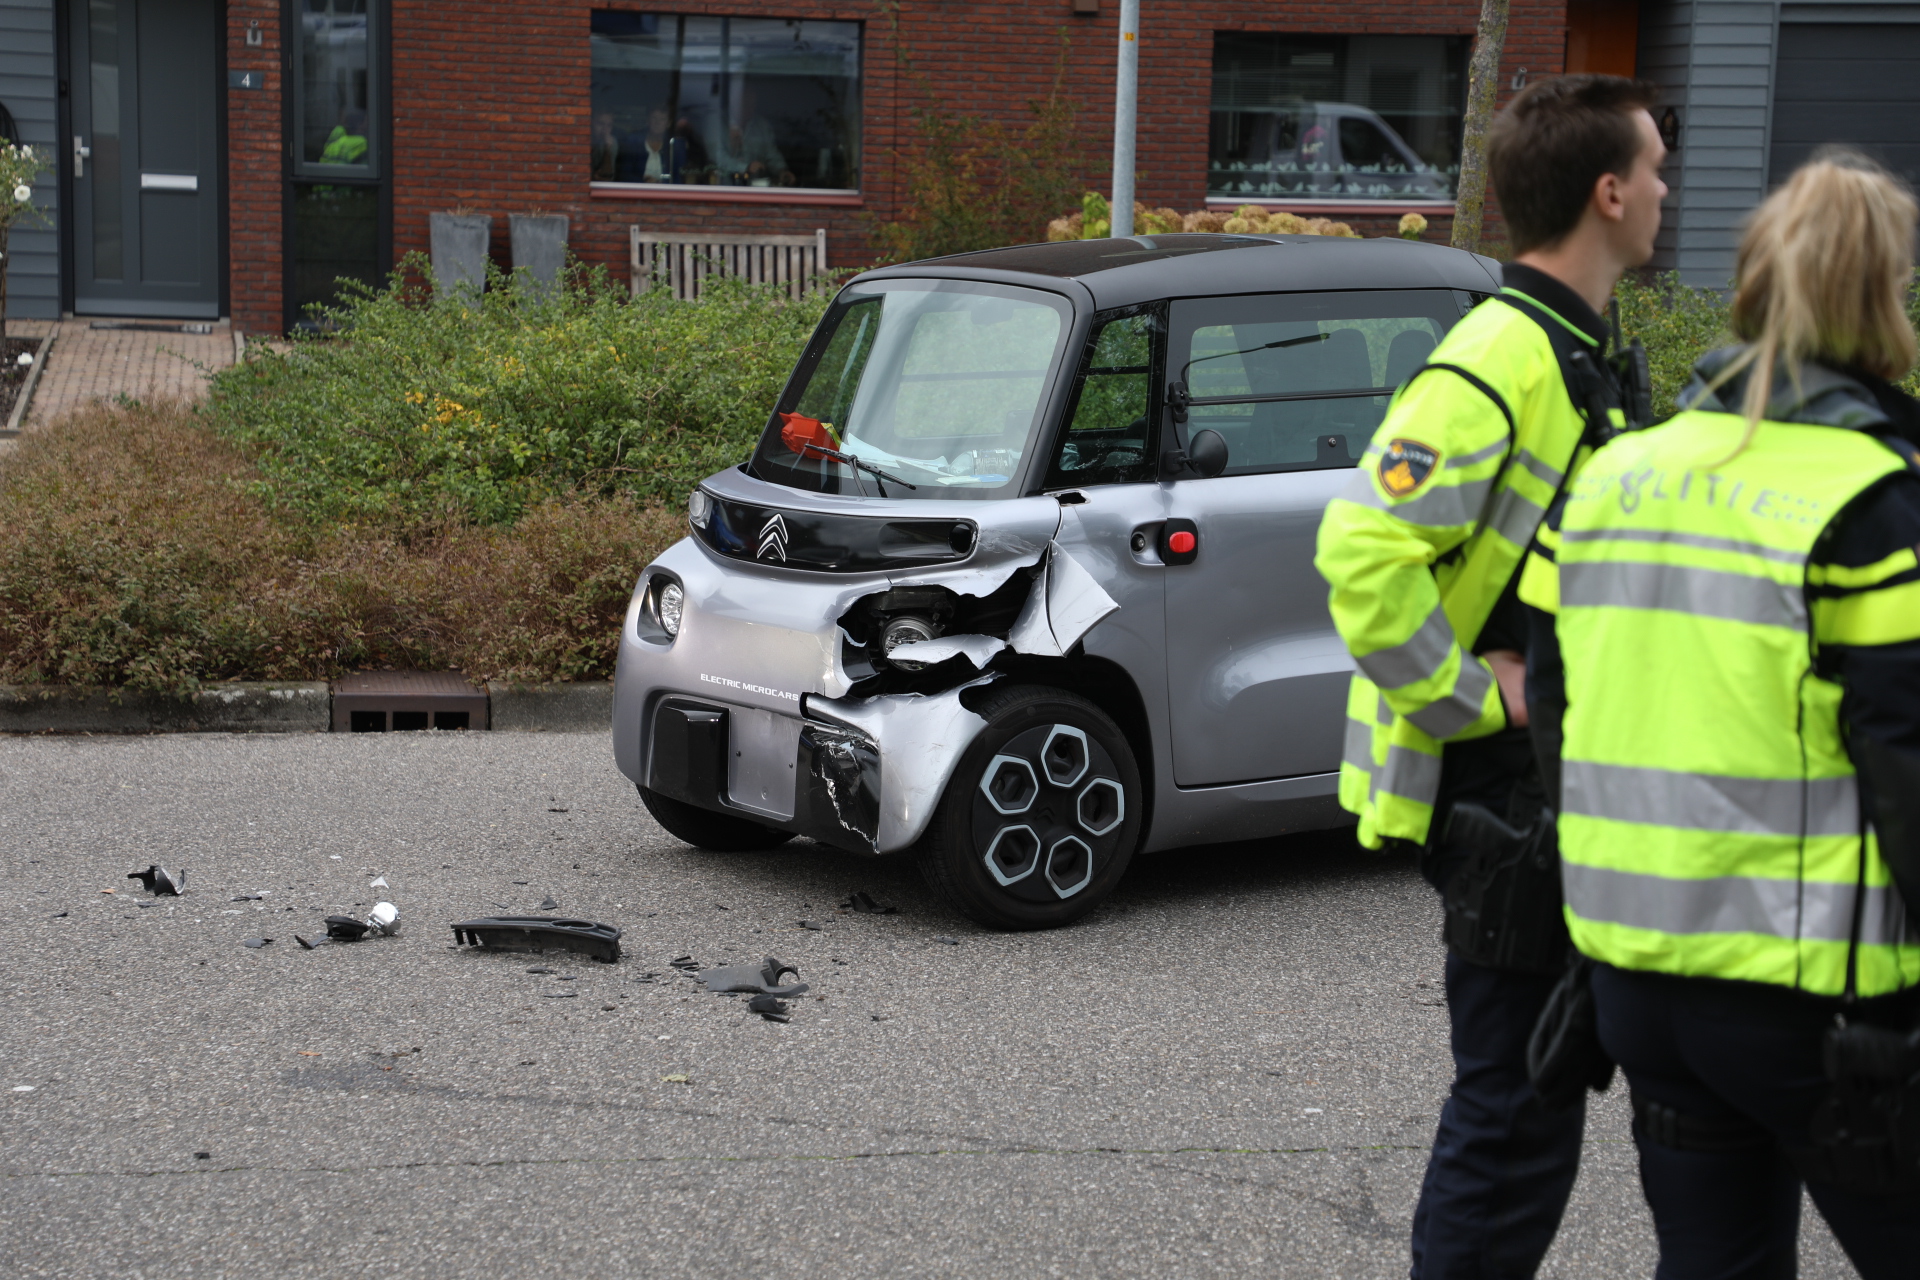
x,y
680,260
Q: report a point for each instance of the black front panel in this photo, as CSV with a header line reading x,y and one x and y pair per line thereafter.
x,y
834,543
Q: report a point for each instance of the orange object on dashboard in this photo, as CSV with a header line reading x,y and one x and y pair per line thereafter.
x,y
800,433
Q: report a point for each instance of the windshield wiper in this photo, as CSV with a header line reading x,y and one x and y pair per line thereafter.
x,y
854,460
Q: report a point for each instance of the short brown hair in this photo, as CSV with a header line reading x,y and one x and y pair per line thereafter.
x,y
1553,142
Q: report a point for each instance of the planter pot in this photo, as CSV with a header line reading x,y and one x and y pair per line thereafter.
x,y
539,248
460,245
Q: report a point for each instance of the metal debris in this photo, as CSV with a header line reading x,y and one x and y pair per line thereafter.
x,y
159,880
771,1009
863,902
763,978
541,933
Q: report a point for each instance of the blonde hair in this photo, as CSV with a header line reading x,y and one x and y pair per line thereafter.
x,y
1822,274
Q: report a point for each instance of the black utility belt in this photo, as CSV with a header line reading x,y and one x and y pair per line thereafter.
x,y
1503,905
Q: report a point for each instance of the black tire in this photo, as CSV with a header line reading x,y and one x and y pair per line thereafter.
x,y
1039,880
705,829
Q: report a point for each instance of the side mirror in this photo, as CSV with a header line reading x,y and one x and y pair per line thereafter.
x,y
1207,453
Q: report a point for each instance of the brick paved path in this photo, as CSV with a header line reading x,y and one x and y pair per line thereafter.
x,y
99,364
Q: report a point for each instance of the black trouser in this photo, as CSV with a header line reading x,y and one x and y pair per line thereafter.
x,y
1739,1057
1502,1165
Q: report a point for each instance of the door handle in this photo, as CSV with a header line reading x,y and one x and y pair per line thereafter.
x,y
80,153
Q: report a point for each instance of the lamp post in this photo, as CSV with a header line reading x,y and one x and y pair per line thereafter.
x,y
1126,98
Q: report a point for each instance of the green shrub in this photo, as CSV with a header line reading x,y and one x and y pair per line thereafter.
x,y
465,409
143,556
1678,323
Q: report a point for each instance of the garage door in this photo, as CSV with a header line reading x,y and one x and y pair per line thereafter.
x,y
1853,83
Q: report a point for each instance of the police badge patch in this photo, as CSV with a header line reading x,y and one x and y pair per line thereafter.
x,y
1405,465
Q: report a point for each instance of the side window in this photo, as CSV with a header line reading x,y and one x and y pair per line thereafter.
x,y
1109,430
1300,382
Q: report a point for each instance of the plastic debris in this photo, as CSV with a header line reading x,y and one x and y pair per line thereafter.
x,y
863,902
541,933
248,897
815,925
548,904
951,942
159,880
257,943
773,1010
559,995
676,1079
686,964
57,915
304,944
379,883
538,969
385,917
763,979
346,928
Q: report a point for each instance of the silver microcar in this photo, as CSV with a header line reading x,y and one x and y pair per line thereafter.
x,y
1019,577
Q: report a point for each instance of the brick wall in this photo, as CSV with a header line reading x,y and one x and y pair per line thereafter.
x,y
255,190
491,109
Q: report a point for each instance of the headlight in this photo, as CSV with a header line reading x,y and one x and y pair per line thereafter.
x,y
668,606
699,506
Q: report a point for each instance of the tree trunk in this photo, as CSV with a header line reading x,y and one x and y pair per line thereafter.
x,y
1483,86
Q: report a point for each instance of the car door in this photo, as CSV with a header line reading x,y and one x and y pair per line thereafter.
x,y
1295,384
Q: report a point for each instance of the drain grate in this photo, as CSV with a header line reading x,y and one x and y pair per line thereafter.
x,y
397,701
149,326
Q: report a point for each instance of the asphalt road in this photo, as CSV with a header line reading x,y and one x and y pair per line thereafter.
x,y
1232,1069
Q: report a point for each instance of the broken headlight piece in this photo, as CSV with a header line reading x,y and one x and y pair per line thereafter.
x,y
906,628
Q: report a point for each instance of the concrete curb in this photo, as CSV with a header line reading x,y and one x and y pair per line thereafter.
x,y
17,420
584,706
278,707
288,707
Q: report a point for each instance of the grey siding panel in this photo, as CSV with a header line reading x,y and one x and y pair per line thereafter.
x,y
27,84
1666,41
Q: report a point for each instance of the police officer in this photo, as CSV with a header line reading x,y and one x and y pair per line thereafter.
x,y
1739,620
1421,551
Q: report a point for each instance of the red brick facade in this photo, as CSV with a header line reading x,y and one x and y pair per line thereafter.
x,y
491,111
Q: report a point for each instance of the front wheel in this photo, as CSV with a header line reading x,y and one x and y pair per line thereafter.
x,y
1040,818
704,829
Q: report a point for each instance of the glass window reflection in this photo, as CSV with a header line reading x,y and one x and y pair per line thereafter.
x,y
335,101
736,102
1300,117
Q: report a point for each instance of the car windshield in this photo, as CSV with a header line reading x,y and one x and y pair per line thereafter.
x,y
934,384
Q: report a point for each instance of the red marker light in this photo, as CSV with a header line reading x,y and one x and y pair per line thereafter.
x,y
1182,543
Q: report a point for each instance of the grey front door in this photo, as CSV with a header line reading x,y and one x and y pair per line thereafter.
x,y
146,173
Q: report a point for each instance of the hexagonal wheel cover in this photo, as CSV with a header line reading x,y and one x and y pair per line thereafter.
x,y
1101,807
1013,855
1069,865
1066,757
1009,785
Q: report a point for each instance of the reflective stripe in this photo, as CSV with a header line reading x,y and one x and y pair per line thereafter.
x,y
1480,455
1711,593
1711,802
1358,749
1817,911
1515,516
1541,468
1700,540
1418,657
1409,774
1439,508
1447,716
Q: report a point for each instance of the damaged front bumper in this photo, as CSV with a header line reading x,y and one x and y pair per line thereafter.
x,y
867,772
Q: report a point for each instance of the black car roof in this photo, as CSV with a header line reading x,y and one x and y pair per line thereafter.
x,y
1120,273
